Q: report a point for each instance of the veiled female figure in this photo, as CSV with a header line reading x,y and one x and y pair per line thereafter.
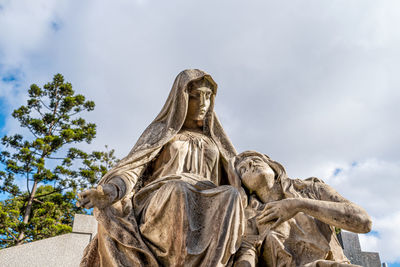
x,y
171,201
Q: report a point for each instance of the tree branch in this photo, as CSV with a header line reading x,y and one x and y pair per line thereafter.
x,y
38,201
47,157
27,183
38,110
44,104
30,129
54,113
13,236
73,114
57,122
55,191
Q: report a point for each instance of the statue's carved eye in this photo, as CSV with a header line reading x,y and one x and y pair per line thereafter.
x,y
197,93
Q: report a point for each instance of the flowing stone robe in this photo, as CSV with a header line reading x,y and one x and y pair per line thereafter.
x,y
182,213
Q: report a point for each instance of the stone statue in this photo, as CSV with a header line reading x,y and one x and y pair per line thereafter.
x,y
177,199
171,202
291,222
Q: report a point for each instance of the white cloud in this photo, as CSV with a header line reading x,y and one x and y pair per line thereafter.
x,y
373,184
370,183
24,27
387,242
314,84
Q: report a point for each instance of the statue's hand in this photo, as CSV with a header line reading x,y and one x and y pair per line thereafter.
x,y
281,211
101,197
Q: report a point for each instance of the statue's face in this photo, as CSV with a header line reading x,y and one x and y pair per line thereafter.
x,y
199,103
255,173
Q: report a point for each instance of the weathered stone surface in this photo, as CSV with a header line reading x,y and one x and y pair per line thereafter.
x,y
352,250
169,202
84,224
177,198
67,250
290,220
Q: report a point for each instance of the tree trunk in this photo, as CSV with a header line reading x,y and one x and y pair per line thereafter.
x,y
27,213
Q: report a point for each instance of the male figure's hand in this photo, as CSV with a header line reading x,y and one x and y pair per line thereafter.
x,y
281,211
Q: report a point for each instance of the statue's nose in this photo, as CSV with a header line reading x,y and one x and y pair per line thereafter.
x,y
202,100
250,164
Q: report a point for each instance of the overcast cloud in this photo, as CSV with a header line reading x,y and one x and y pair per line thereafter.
x,y
314,84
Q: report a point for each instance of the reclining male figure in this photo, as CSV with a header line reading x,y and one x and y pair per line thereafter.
x,y
291,222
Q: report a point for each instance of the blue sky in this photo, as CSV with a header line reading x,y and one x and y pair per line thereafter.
x,y
3,114
313,84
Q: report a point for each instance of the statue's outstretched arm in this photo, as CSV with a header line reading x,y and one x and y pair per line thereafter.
x,y
331,208
107,194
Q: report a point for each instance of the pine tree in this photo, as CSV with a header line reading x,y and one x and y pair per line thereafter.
x,y
52,168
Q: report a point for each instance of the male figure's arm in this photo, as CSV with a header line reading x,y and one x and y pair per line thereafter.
x,y
331,208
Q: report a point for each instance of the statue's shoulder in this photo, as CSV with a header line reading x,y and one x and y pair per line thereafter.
x,y
314,180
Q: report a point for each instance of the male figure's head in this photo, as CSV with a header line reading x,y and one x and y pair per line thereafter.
x,y
258,173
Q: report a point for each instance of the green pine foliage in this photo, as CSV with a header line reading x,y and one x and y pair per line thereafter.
x,y
52,167
51,216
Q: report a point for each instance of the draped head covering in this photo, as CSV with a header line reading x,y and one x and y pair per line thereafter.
x,y
168,123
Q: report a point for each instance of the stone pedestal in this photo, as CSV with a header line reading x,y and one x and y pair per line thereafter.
x,y
64,250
